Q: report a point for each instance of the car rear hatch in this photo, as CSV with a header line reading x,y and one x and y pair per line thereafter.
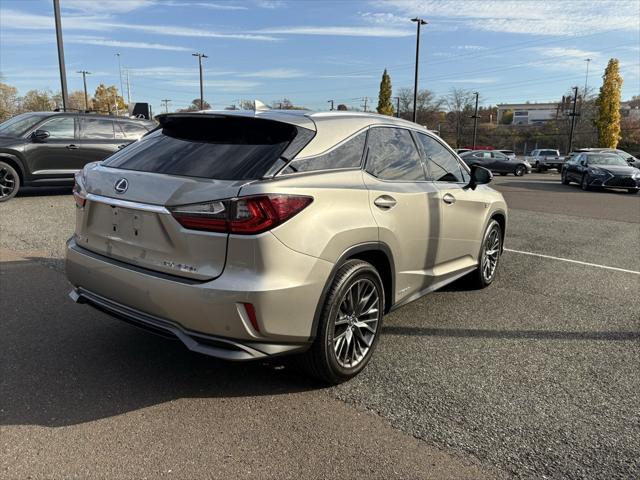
x,y
191,159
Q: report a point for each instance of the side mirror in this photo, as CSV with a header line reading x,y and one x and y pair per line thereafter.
x,y
479,176
40,135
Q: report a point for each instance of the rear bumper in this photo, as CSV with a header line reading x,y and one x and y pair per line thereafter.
x,y
213,346
283,286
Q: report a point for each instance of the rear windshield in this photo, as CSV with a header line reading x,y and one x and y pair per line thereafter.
x,y
549,152
224,148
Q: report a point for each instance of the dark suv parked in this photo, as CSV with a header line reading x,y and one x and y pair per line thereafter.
x,y
48,148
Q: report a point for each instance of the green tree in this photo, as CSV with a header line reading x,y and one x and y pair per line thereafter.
x,y
385,106
107,99
9,102
608,103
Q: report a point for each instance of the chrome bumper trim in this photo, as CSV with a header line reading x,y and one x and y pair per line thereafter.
x,y
116,202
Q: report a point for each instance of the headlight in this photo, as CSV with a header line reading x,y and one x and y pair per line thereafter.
x,y
636,175
595,171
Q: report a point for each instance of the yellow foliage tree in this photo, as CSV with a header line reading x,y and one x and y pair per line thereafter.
x,y
106,98
608,103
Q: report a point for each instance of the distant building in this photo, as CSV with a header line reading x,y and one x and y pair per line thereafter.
x,y
529,113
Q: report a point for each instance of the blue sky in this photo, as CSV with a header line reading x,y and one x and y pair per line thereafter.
x,y
314,50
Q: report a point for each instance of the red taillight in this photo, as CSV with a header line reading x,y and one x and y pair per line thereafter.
x,y
242,216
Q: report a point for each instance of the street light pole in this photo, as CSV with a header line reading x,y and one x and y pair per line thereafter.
x,y
84,81
586,80
475,121
397,106
331,102
420,22
63,71
200,57
120,74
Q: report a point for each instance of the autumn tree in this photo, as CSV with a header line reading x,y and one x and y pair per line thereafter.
x,y
385,106
8,101
608,103
107,99
37,101
342,107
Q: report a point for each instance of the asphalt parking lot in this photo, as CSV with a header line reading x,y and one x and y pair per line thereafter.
x,y
536,377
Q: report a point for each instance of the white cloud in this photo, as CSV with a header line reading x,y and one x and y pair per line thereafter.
x,y
14,19
471,48
355,31
106,42
219,85
534,17
210,5
270,4
105,7
275,73
176,72
474,80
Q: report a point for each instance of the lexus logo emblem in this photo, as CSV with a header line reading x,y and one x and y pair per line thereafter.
x,y
121,185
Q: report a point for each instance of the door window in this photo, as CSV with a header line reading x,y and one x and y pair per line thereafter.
x,y
347,155
442,164
392,155
132,131
97,129
60,128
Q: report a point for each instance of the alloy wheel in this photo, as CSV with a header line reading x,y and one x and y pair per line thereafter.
x,y
7,182
490,254
519,171
356,323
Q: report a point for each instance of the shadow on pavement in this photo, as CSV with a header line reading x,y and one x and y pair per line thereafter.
x,y
43,191
509,334
63,364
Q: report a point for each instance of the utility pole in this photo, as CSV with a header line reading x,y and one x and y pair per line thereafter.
x,y
365,99
420,22
573,116
120,74
331,102
63,71
397,106
165,102
200,57
586,80
475,121
84,81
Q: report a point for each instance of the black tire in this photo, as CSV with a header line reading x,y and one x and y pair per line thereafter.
x,y
632,190
504,174
563,178
478,279
584,183
321,360
520,170
538,167
9,182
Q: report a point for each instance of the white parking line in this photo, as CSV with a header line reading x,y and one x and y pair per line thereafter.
x,y
573,261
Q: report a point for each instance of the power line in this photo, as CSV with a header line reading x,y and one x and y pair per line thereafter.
x,y
165,102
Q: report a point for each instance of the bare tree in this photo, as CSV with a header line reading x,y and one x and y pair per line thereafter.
x,y
427,106
459,104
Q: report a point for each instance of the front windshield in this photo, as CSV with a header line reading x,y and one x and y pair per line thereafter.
x,y
606,160
19,124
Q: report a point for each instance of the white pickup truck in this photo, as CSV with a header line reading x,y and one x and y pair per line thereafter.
x,y
544,158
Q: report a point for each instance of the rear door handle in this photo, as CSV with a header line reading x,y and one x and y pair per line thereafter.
x,y
449,199
385,202
72,147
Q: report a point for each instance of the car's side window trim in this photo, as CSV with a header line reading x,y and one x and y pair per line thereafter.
x,y
415,144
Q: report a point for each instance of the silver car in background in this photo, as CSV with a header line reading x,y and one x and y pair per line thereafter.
x,y
250,234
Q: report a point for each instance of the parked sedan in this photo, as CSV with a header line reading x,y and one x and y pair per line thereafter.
x,y
48,148
602,170
496,162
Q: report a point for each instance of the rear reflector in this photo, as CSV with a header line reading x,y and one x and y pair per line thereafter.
x,y
78,196
243,216
251,313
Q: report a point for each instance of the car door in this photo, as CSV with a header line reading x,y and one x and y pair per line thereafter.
x,y
500,162
461,210
579,167
54,156
97,139
404,205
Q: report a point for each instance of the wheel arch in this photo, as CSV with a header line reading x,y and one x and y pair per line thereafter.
x,y
500,217
377,254
15,163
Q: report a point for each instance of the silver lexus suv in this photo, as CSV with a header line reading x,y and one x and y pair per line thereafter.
x,y
249,234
